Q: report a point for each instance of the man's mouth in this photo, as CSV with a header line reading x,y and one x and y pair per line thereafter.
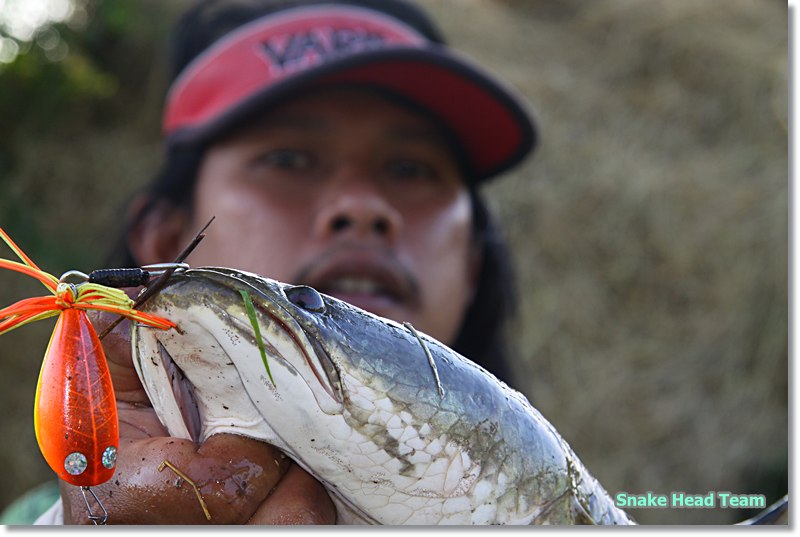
x,y
363,292
364,277
356,285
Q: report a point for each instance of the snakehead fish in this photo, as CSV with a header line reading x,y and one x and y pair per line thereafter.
x,y
398,427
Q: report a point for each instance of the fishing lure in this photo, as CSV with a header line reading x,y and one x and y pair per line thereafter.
x,y
75,411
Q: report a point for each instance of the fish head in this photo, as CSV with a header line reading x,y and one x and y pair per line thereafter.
x,y
208,375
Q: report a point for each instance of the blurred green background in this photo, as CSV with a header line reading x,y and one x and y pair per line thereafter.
x,y
650,230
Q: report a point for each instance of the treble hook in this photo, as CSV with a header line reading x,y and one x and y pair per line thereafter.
x,y
96,518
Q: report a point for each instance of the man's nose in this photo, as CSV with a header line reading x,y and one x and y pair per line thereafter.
x,y
356,206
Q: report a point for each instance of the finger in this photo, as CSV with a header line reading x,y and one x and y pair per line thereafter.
x,y
231,488
298,499
117,343
138,421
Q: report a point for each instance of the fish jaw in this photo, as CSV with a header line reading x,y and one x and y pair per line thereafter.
x,y
191,392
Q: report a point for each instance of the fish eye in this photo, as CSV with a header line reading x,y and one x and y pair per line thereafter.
x,y
305,297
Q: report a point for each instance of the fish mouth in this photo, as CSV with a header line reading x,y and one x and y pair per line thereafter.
x,y
183,393
315,357
317,366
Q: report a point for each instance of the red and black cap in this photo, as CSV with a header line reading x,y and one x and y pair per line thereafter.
x,y
327,43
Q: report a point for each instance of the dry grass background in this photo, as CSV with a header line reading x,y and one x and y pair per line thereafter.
x,y
650,234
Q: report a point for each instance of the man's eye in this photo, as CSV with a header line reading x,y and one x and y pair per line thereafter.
x,y
287,159
410,169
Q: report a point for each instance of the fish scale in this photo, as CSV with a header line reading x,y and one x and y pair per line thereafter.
x,y
396,437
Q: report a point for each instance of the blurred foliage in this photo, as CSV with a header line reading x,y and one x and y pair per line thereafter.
x,y
57,88
650,230
113,59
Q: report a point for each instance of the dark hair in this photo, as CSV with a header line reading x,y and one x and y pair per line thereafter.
x,y
482,337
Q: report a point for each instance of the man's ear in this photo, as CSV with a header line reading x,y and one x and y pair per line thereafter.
x,y
159,235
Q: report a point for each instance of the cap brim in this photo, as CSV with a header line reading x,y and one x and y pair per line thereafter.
x,y
487,119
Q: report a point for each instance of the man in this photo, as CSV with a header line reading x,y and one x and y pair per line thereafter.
x,y
339,145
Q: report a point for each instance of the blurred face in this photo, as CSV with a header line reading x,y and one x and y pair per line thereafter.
x,y
351,194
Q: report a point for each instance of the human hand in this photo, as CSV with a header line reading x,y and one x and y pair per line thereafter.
x,y
240,480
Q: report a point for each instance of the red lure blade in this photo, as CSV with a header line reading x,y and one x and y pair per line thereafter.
x,y
75,413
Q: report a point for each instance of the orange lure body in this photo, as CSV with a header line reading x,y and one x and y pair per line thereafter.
x,y
75,412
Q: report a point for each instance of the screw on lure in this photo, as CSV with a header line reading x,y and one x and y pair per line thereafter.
x,y
75,411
